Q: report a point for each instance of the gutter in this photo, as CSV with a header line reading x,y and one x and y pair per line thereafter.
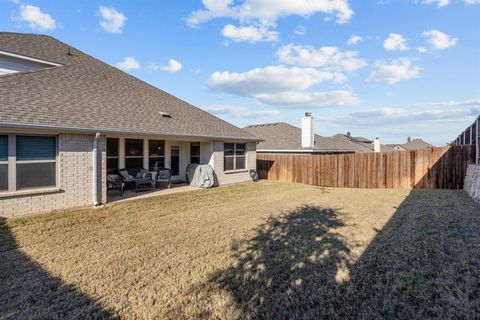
x,y
13,125
305,151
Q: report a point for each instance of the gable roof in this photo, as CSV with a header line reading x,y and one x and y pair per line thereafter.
x,y
416,144
365,145
281,136
89,95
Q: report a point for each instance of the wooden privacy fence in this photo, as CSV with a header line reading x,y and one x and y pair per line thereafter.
x,y
430,168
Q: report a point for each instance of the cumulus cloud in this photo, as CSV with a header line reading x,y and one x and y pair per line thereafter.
x,y
240,111
472,2
439,40
271,79
337,98
112,20
396,71
354,39
250,34
267,12
280,85
328,58
439,3
36,18
172,66
395,42
128,63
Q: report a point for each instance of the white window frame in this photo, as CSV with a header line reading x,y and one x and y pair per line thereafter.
x,y
118,151
156,157
134,157
234,156
12,162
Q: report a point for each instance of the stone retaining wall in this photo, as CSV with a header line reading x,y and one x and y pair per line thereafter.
x,y
472,182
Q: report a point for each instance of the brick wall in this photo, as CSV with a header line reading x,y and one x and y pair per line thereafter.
x,y
234,177
74,176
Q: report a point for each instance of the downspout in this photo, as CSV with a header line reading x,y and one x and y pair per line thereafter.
x,y
95,169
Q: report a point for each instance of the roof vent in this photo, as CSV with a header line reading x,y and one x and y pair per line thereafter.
x,y
165,115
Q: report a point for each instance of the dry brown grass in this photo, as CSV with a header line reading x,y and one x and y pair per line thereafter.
x,y
258,251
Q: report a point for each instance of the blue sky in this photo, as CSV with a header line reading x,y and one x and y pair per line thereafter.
x,y
375,68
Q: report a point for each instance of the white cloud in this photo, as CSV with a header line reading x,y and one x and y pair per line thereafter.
x,y
301,30
336,98
329,58
267,12
439,40
280,85
249,34
128,63
112,20
240,112
354,39
172,66
472,102
395,42
271,79
439,3
472,2
35,18
422,49
396,71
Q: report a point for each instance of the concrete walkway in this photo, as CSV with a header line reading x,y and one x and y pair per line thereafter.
x,y
114,196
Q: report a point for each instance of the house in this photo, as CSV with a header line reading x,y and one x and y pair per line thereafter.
x,y
282,137
66,119
411,144
367,144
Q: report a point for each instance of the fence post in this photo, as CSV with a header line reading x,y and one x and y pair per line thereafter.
x,y
477,144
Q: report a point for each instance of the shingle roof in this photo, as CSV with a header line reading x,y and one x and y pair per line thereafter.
x,y
86,93
416,144
361,145
283,136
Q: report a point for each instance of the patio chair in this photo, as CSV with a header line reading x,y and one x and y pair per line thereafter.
x,y
127,178
114,181
164,176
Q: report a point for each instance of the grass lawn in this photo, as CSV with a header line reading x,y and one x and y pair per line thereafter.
x,y
256,251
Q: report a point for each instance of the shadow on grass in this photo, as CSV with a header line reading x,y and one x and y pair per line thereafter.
x,y
27,291
423,264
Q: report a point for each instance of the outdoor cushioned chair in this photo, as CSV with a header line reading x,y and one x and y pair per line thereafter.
x,y
163,178
114,181
127,178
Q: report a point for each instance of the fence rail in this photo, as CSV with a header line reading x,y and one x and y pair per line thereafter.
x,y
470,137
430,168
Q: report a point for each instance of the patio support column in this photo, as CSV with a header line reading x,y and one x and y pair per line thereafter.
x,y
121,153
145,154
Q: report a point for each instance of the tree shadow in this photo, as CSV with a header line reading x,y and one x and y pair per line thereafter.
x,y
27,291
292,264
423,264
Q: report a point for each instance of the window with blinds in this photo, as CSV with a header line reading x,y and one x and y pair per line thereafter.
x,y
35,161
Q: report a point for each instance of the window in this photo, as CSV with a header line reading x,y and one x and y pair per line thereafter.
x,y
234,156
3,163
134,153
35,161
156,154
112,155
195,152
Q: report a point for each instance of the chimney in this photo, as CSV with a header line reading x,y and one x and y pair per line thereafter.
x,y
376,145
307,131
409,139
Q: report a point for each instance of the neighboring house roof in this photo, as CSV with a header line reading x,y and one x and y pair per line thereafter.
x,y
281,136
416,144
87,94
412,145
362,145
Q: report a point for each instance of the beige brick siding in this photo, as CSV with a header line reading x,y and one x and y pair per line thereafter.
x,y
74,178
227,178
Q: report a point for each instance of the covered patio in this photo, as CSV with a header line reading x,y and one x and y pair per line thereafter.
x,y
115,196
